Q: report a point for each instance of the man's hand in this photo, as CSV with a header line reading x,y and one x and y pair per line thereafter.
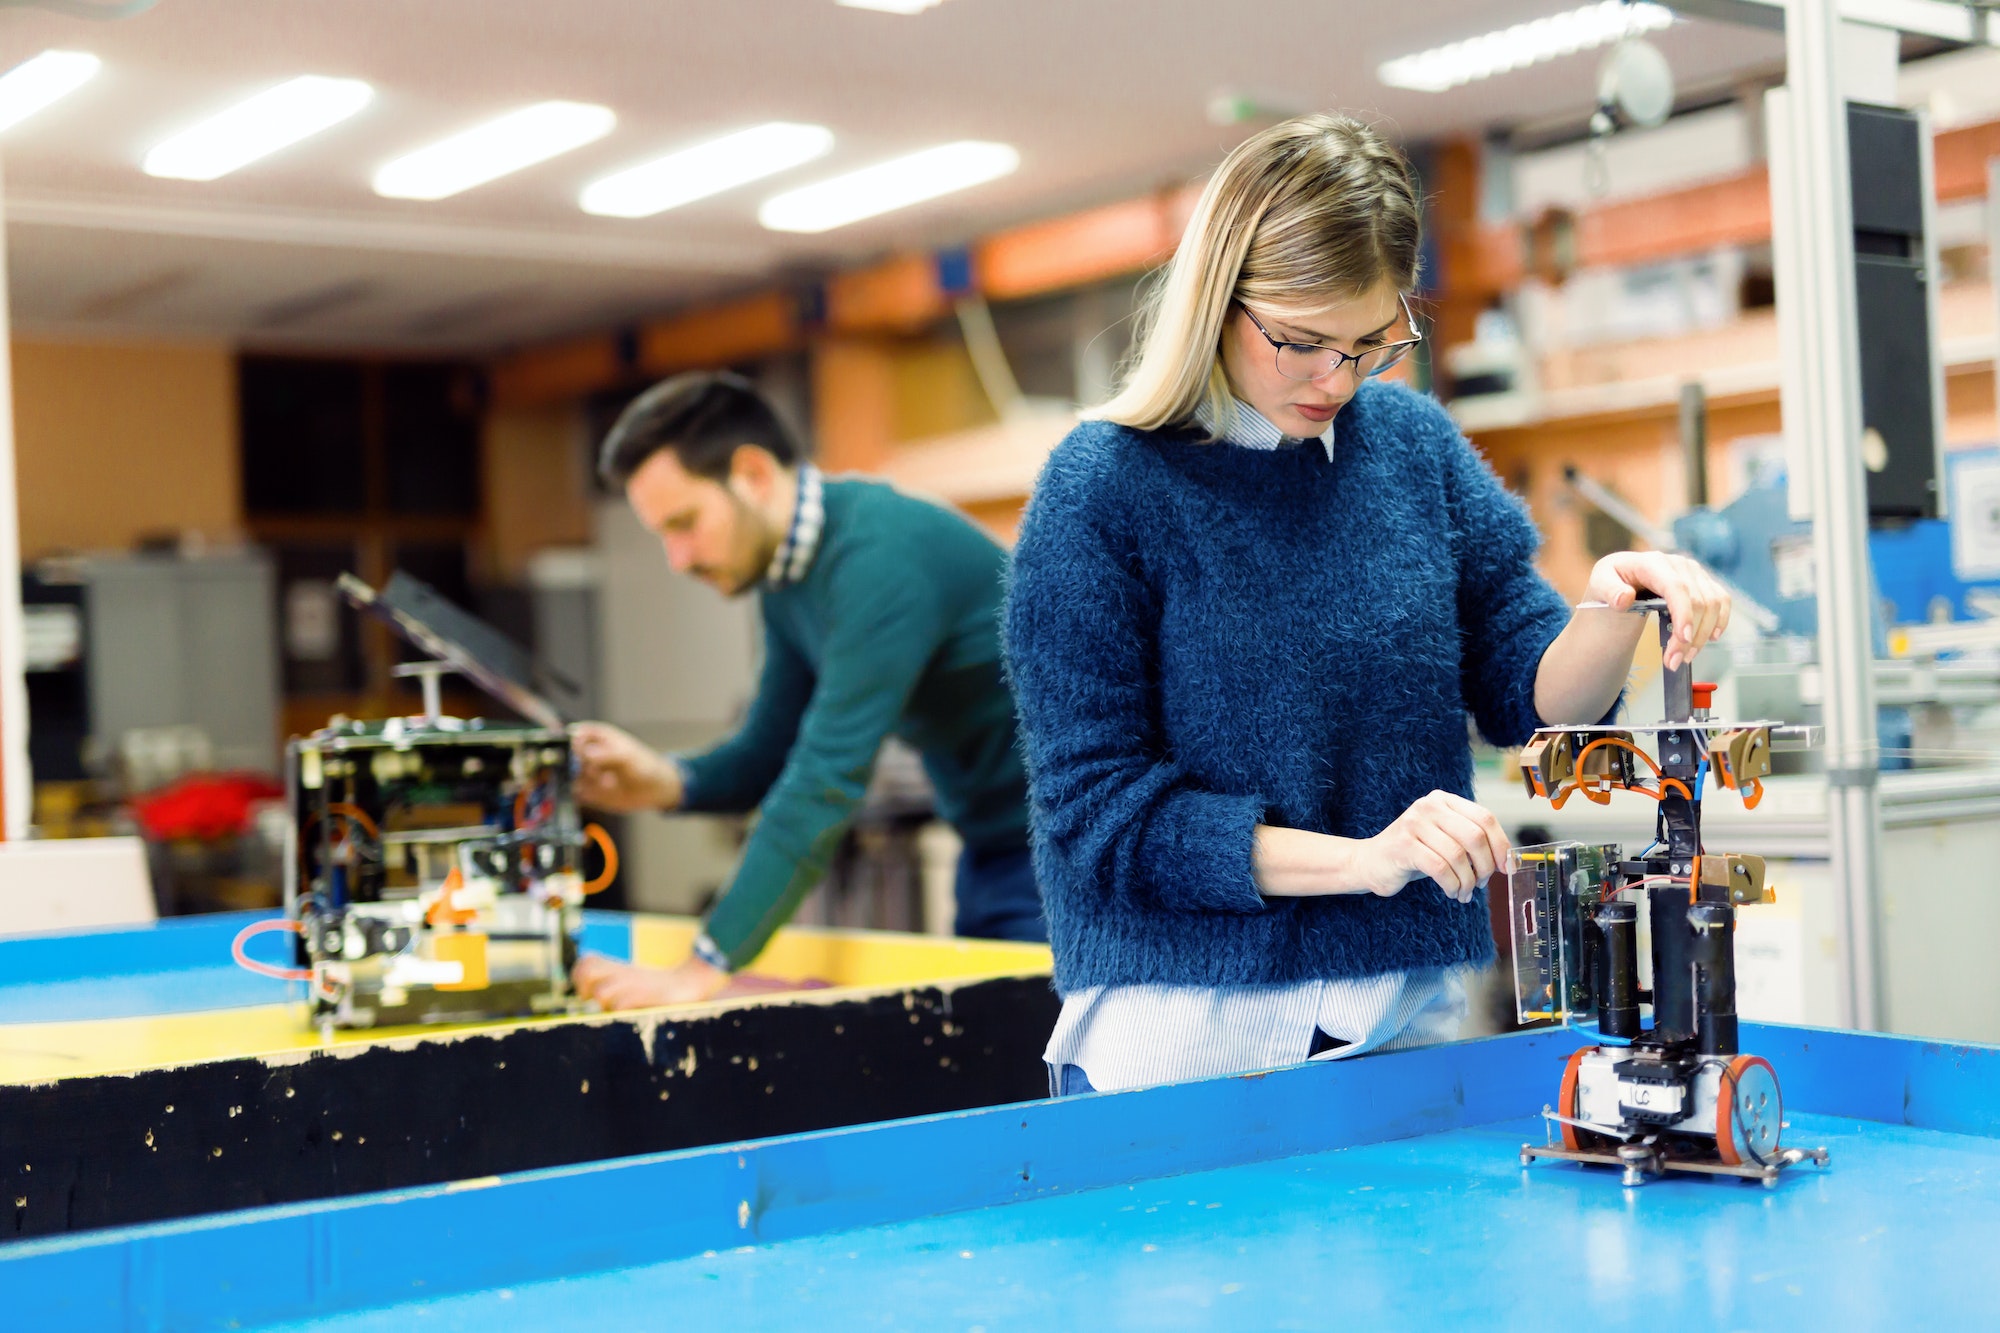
x,y
1698,603
1442,837
616,985
620,773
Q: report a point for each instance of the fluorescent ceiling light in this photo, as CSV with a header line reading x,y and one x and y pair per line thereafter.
x,y
487,152
892,6
34,83
894,184
257,127
706,169
1524,44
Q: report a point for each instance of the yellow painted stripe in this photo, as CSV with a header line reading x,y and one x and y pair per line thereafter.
x,y
851,959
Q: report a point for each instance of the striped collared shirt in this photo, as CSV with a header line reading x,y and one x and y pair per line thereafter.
x,y
1134,1036
1251,429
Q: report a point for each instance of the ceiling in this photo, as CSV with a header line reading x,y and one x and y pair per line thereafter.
x,y
1103,98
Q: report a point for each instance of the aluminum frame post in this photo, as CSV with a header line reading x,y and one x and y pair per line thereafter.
x,y
1813,251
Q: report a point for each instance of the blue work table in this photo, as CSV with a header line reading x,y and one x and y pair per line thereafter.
x,y
177,965
1385,1192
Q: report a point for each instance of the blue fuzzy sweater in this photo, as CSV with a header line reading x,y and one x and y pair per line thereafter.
x,y
1204,638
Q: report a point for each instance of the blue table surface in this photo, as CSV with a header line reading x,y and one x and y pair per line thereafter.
x,y
1385,1192
176,966
1447,1230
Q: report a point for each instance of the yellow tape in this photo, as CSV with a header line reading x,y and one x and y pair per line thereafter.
x,y
38,1052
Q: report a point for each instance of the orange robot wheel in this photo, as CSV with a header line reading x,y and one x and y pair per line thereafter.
x,y
1749,1112
1574,1139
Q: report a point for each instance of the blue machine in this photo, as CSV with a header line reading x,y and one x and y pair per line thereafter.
x,y
1758,546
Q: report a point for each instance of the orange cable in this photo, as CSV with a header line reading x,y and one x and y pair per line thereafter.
x,y
358,815
610,850
1619,742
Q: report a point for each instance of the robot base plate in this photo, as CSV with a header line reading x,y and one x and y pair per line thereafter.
x,y
1639,1161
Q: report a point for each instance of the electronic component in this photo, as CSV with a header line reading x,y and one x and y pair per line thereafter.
x,y
436,870
1678,1095
435,867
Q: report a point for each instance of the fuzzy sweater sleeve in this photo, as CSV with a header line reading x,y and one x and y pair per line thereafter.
x,y
1508,614
1113,814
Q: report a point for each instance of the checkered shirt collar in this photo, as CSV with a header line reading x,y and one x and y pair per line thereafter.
x,y
801,543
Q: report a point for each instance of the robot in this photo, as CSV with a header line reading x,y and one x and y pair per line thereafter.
x,y
434,871
1679,1095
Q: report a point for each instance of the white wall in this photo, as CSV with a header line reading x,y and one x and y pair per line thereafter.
x,y
680,664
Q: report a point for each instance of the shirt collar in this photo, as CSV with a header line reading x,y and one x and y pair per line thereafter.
x,y
795,553
1251,429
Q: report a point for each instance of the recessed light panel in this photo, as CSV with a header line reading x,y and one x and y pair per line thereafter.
x,y
257,127
1524,44
34,83
891,6
706,169
897,183
499,147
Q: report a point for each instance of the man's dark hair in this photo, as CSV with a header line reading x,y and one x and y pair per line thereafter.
x,y
702,416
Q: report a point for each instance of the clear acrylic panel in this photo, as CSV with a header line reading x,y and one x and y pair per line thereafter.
x,y
1551,890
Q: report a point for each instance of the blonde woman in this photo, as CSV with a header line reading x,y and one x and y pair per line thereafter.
x,y
1251,608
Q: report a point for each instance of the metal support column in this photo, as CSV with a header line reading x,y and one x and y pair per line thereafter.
x,y
1813,251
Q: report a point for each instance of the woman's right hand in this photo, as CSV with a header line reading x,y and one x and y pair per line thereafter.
x,y
1442,837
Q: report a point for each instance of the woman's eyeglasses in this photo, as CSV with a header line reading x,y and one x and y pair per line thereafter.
x,y
1311,361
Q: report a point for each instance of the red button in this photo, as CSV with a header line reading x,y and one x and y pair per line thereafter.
x,y
1704,691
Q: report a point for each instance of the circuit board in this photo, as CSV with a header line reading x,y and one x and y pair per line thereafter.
x,y
1550,889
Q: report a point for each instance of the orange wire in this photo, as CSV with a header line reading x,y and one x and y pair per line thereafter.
x,y
345,810
610,850
1619,742
358,815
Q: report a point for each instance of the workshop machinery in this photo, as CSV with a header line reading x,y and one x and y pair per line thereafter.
x,y
1679,1094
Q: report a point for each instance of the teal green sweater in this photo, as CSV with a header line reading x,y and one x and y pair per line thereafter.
x,y
894,630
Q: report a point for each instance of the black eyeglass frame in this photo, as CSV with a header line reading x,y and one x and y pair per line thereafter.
x,y
1400,348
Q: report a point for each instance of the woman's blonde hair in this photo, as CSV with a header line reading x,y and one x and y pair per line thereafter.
x,y
1298,218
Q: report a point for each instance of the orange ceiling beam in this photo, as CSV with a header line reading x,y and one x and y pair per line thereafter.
x,y
901,295
1734,210
1082,248
553,373
744,330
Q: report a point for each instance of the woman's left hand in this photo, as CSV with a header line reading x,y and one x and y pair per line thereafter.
x,y
1695,598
